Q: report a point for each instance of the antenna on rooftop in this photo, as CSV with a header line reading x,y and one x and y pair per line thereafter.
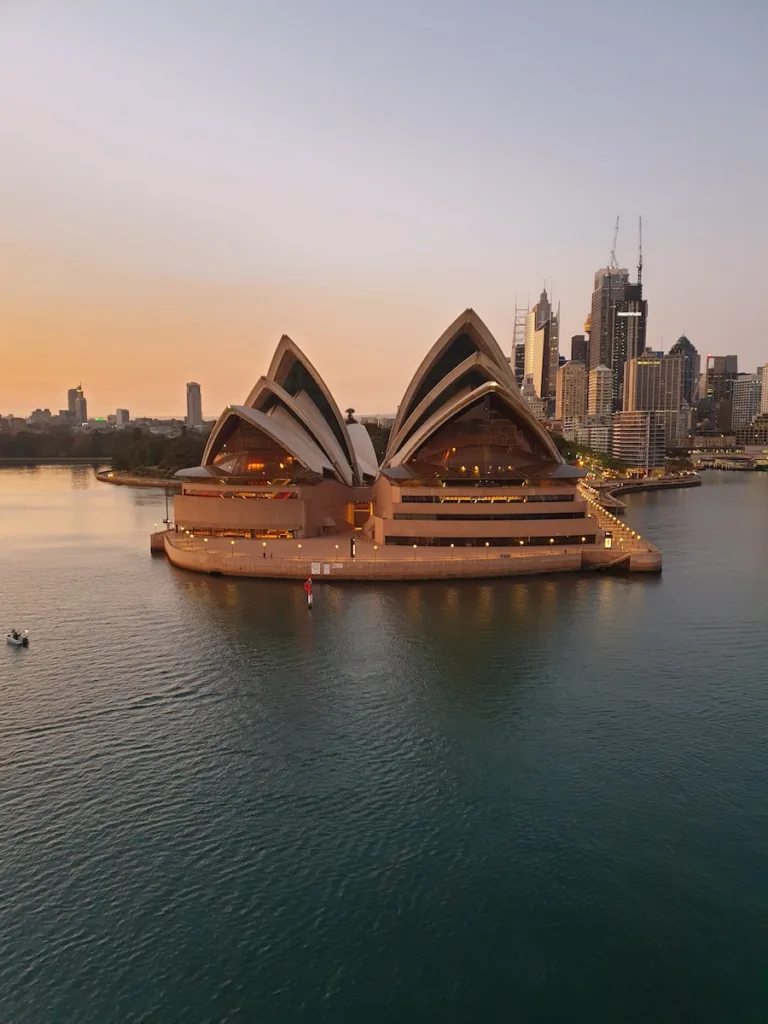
x,y
640,252
614,264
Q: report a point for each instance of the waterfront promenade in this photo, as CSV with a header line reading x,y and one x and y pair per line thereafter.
x,y
329,557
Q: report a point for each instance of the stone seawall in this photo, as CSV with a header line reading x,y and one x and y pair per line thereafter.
x,y
199,557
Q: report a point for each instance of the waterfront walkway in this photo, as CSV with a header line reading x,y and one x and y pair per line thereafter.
x,y
330,556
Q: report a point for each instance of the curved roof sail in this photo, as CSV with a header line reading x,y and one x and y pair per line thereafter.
x,y
296,375
467,336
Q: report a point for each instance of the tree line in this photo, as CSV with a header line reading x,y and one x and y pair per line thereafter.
x,y
134,450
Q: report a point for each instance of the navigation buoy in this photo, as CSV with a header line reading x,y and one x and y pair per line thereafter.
x,y
308,591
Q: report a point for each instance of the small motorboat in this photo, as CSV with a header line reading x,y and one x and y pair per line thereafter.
x,y
18,639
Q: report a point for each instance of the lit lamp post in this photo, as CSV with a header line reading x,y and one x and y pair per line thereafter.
x,y
487,549
453,554
375,549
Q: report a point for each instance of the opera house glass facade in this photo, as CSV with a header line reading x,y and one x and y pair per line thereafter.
x,y
467,464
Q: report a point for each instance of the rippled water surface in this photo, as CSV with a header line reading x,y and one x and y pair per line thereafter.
x,y
525,801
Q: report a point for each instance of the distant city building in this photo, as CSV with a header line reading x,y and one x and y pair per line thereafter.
x,y
72,396
610,287
122,418
638,439
542,347
755,433
518,367
537,405
194,405
571,397
763,371
77,407
691,367
579,349
595,432
40,416
81,410
720,373
653,382
600,393
618,324
746,399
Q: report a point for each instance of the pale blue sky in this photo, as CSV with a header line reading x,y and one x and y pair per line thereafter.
x,y
182,181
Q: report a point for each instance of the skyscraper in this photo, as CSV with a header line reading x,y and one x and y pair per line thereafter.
x,y
746,399
720,373
653,383
610,287
763,388
542,347
571,398
630,319
618,322
72,396
600,400
194,405
579,349
77,407
691,367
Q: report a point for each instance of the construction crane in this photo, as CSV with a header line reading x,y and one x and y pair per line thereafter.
x,y
614,264
640,252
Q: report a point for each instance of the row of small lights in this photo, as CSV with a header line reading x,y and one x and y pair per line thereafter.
x,y
614,519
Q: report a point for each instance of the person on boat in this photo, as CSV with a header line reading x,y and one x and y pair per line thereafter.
x,y
14,634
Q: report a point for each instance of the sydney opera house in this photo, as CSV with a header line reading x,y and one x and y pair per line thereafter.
x,y
471,484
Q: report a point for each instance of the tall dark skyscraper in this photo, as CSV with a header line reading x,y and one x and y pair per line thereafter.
x,y
630,318
618,324
610,286
719,376
691,367
579,349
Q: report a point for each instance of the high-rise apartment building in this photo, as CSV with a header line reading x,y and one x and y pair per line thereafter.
x,y
691,367
653,382
542,347
600,400
571,396
746,399
638,439
579,349
122,418
194,405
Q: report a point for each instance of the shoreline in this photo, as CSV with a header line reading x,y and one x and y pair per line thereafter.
x,y
122,479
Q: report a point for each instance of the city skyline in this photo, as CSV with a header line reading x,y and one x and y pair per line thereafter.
x,y
172,192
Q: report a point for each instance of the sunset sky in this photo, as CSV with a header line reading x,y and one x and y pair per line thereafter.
x,y
184,181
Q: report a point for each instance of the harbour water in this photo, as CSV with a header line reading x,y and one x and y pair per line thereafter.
x,y
520,800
